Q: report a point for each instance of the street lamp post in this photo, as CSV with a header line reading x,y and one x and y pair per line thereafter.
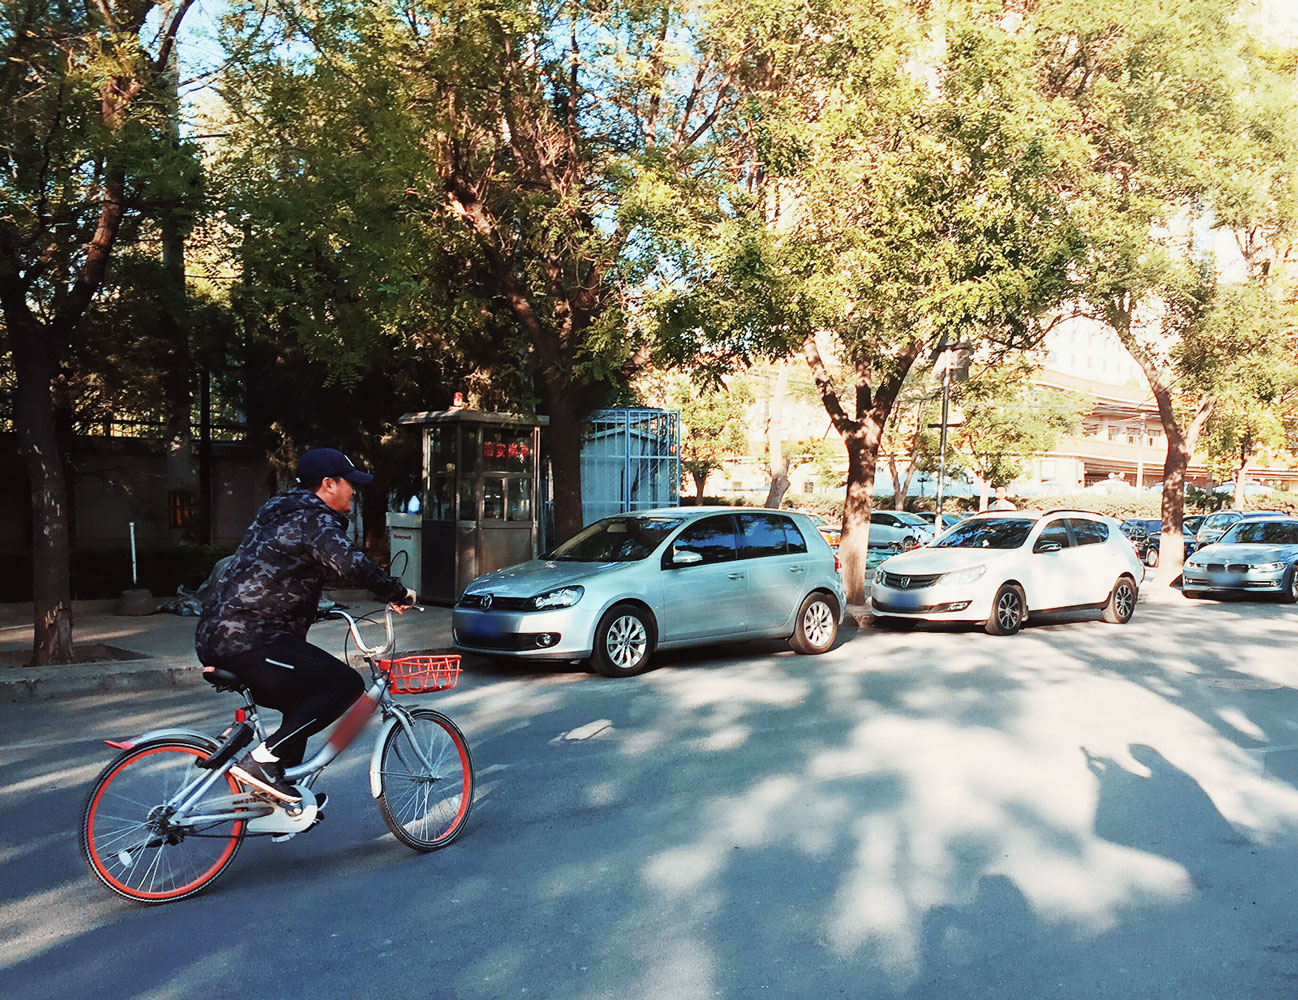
x,y
938,351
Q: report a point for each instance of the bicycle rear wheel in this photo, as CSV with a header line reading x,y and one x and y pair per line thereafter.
x,y
128,839
426,807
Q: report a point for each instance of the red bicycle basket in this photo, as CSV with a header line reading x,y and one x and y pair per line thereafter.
x,y
417,674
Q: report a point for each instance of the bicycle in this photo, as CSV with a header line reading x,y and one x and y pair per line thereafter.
x,y
166,816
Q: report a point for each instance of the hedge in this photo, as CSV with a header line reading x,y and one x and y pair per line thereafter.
x,y
104,572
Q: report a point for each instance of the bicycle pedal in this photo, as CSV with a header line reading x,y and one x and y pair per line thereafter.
x,y
279,838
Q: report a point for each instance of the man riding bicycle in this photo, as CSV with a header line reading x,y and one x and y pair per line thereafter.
x,y
254,623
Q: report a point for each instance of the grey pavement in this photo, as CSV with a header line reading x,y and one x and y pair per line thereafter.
x,y
1081,812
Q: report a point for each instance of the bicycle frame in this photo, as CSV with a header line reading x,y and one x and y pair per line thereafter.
x,y
376,697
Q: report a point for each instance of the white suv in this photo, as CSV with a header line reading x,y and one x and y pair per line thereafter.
x,y
997,568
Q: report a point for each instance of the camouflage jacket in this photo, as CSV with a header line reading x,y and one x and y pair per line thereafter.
x,y
272,586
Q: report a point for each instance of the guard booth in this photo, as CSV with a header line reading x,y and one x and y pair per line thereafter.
x,y
481,473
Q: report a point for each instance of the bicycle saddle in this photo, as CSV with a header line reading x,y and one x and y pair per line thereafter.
x,y
223,680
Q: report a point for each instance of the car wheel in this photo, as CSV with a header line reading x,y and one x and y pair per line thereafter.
x,y
816,626
624,641
1289,589
1008,610
1122,602
1151,558
909,543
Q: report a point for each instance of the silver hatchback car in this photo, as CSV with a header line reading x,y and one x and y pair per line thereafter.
x,y
658,579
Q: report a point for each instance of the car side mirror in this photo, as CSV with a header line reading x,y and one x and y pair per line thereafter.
x,y
1047,547
686,558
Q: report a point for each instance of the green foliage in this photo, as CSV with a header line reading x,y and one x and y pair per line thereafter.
x,y
87,117
713,422
1006,420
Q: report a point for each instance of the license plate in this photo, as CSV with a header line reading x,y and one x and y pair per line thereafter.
x,y
482,628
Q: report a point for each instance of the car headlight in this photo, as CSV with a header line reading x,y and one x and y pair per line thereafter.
x,y
964,575
878,574
564,597
1270,567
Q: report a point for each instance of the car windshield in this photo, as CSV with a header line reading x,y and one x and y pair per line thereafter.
x,y
1261,533
909,518
617,539
1216,522
987,533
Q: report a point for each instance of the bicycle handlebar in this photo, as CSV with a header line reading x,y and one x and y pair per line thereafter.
x,y
387,646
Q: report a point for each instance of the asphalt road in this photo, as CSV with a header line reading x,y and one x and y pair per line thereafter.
x,y
1082,810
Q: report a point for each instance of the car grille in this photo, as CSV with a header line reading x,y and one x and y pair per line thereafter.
x,y
883,607
898,581
1227,567
496,603
509,642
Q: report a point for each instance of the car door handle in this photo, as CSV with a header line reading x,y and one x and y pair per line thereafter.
x,y
736,576
795,569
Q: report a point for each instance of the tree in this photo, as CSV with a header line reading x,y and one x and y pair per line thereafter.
x,y
904,165
1245,354
1170,102
86,104
553,146
1005,420
712,425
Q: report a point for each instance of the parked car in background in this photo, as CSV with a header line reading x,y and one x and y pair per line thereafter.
x,y
1146,534
898,529
1215,525
832,533
1255,555
947,520
1136,531
998,568
630,584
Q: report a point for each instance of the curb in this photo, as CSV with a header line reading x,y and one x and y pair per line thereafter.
x,y
31,684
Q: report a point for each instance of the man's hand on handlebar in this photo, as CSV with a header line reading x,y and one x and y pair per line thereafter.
x,y
411,599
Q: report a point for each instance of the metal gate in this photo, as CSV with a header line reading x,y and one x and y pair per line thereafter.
x,y
630,460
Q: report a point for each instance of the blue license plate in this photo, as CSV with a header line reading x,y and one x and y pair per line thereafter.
x,y
482,628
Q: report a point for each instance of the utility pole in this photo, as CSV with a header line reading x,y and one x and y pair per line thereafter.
x,y
962,346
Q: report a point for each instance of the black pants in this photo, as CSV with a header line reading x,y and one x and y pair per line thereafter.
x,y
309,686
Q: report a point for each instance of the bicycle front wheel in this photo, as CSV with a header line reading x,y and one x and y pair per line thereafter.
x,y
425,805
131,842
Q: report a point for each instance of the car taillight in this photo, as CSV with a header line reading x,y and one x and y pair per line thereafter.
x,y
838,565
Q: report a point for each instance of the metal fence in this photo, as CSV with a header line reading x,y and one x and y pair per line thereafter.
x,y
630,460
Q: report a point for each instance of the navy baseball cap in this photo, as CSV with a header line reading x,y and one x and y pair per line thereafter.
x,y
328,463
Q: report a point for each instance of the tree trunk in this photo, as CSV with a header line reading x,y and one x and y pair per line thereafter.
x,y
565,459
779,464
854,545
1180,449
51,542
862,436
700,481
1241,473
1180,443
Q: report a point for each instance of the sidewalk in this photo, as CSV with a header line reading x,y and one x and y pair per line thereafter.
x,y
157,651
